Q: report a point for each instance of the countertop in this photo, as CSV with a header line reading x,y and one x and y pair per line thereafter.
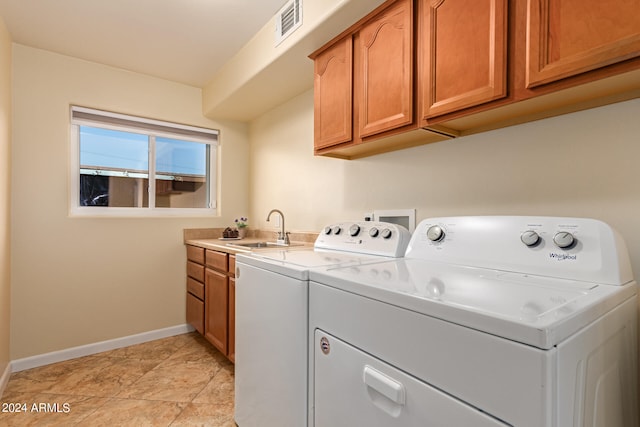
x,y
210,239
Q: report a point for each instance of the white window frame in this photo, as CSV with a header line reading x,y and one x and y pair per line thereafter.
x,y
81,116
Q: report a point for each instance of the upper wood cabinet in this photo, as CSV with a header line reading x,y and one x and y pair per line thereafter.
x,y
428,70
332,89
533,59
364,86
384,70
462,54
569,37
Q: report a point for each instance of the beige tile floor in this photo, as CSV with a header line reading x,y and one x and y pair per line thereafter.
x,y
176,381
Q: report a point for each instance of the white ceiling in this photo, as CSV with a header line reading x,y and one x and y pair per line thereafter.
x,y
180,40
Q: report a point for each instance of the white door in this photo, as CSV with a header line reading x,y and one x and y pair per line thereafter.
x,y
352,388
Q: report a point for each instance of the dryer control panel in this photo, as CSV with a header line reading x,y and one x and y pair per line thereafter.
x,y
365,237
569,248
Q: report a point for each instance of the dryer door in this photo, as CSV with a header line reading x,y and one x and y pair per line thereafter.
x,y
353,388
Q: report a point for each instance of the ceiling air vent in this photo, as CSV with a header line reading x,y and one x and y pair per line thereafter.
x,y
288,19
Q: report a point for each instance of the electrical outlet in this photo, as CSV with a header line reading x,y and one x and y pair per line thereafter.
x,y
404,217
277,219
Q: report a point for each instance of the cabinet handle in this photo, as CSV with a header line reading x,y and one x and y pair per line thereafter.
x,y
386,386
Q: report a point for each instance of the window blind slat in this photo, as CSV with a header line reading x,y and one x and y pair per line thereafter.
x,y
87,117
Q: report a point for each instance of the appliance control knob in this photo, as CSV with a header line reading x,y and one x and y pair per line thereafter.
x,y
327,230
354,230
530,238
386,233
435,233
336,229
564,239
373,232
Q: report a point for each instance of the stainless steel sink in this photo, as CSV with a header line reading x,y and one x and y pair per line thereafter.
x,y
252,245
257,245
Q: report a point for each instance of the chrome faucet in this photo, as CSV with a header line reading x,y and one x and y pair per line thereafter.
x,y
283,237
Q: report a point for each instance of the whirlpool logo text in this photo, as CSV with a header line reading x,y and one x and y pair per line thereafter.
x,y
563,257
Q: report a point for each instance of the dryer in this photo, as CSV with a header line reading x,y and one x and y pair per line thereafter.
x,y
487,321
272,317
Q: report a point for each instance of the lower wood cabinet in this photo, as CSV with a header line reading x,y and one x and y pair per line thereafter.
x,y
195,304
231,338
211,297
216,302
195,287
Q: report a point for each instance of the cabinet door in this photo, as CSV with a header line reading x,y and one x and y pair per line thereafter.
x,y
217,260
232,265
232,320
569,37
463,54
195,270
196,288
384,70
195,313
216,309
195,254
332,95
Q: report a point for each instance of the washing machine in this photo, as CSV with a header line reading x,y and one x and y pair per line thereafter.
x,y
272,317
486,321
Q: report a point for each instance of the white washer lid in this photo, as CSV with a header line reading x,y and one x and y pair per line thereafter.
x,y
535,310
297,262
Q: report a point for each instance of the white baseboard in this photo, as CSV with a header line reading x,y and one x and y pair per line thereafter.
x,y
4,378
86,350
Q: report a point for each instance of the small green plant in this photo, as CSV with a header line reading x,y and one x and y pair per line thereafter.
x,y
241,222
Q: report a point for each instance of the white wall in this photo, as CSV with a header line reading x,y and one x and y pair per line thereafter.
x,y
5,197
262,75
583,164
77,281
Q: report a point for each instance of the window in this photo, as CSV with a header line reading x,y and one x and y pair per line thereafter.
x,y
113,156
